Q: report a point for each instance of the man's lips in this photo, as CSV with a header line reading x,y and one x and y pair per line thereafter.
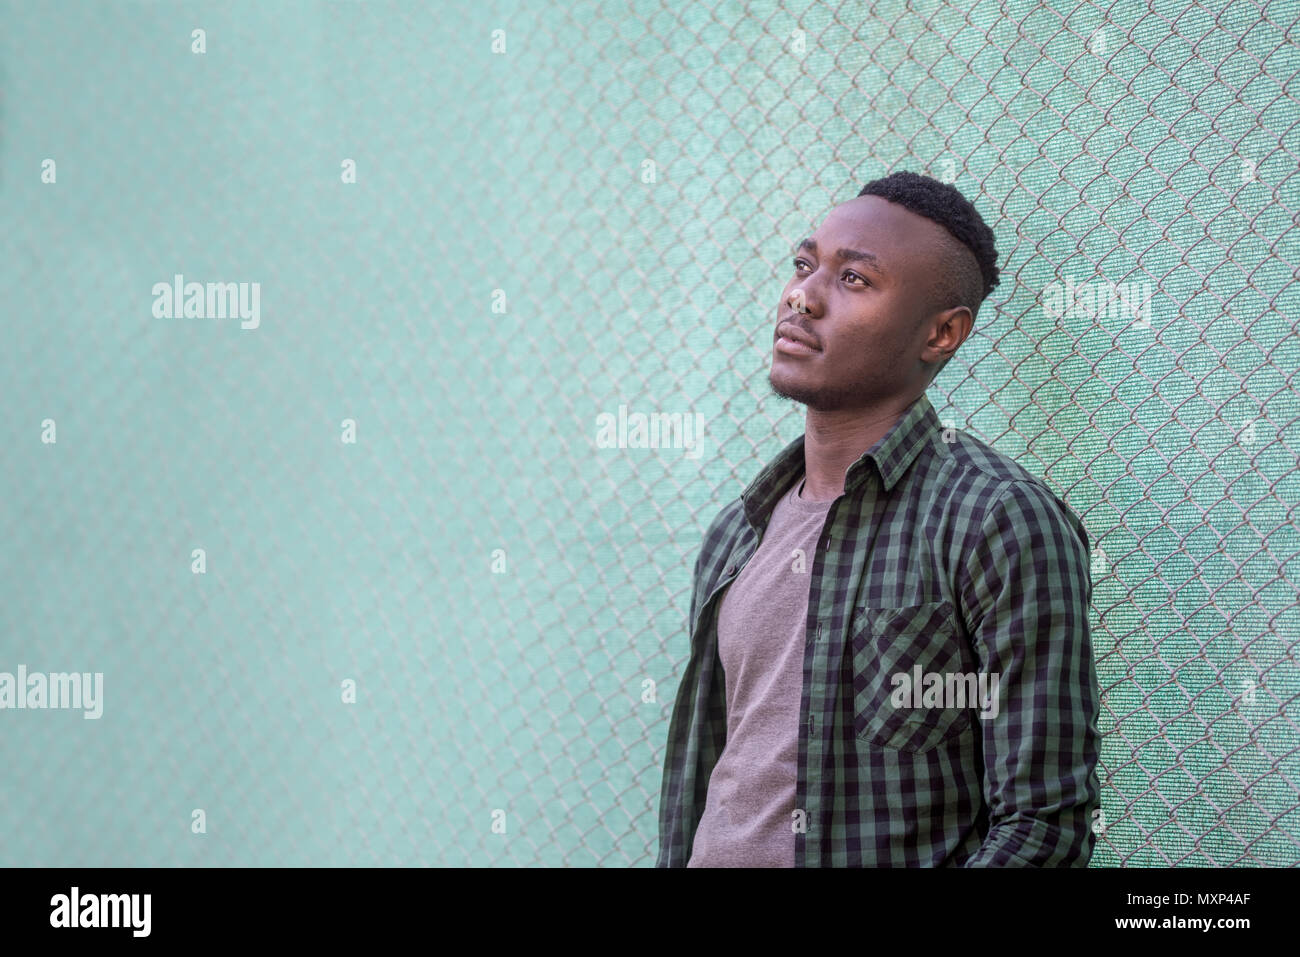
x,y
787,330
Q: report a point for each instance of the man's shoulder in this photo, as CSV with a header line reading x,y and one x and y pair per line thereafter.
x,y
720,539
724,530
986,462
990,477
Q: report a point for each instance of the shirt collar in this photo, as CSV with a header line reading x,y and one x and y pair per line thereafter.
x,y
891,456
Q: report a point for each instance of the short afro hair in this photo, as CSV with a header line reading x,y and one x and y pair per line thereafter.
x,y
961,281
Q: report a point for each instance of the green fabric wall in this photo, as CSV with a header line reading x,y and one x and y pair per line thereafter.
x,y
599,214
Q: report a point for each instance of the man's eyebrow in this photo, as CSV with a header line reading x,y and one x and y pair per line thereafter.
x,y
847,255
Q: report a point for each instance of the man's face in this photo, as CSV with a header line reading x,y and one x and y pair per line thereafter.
x,y
867,318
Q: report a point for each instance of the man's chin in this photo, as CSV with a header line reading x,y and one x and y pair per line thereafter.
x,y
816,399
793,391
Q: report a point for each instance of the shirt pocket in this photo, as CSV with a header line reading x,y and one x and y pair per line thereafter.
x,y
896,641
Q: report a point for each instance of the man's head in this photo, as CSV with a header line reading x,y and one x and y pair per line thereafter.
x,y
886,322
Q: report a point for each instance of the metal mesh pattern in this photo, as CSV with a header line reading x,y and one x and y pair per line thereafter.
x,y
566,216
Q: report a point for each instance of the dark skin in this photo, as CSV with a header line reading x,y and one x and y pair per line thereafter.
x,y
880,338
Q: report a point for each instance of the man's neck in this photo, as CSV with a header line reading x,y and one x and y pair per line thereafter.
x,y
835,440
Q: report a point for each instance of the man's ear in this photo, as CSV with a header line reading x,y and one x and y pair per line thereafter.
x,y
950,329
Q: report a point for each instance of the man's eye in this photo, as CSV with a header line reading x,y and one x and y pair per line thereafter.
x,y
847,272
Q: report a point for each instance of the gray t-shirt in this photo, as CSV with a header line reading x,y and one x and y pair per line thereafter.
x,y
748,814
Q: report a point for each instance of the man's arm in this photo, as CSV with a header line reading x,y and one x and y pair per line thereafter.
x,y
671,850
1025,591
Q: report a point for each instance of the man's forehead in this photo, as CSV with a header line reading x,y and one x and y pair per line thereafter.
x,y
874,213
898,237
848,231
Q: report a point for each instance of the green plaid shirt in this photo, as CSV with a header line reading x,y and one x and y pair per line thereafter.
x,y
942,556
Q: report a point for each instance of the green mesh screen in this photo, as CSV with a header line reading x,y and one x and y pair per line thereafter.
x,y
365,584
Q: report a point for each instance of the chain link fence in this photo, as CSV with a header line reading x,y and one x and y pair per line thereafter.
x,y
369,583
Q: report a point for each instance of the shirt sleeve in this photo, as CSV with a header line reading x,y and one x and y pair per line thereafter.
x,y
1026,589
671,836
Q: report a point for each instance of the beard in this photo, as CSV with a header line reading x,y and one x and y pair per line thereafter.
x,y
818,398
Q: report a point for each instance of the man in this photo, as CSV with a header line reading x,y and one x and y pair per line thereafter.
x,y
890,657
